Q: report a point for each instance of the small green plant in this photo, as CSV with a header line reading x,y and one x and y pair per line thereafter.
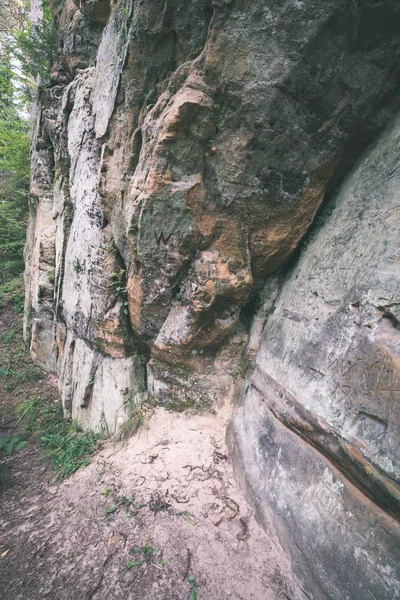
x,y
103,469
124,502
118,282
322,218
270,312
11,444
64,443
149,551
7,372
137,409
120,502
118,287
112,510
144,359
195,587
125,304
51,274
124,10
134,563
145,555
127,503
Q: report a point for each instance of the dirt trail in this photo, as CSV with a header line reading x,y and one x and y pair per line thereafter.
x,y
159,517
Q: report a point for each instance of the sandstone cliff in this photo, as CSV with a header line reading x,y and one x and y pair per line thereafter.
x,y
180,155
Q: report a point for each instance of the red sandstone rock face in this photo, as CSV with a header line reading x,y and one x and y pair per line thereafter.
x,y
213,131
219,147
180,155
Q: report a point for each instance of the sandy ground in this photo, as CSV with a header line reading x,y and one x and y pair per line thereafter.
x,y
159,517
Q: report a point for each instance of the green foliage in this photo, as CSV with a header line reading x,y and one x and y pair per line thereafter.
x,y
129,504
12,293
26,54
14,176
14,151
6,84
20,377
14,188
68,447
11,444
12,241
146,554
138,410
12,13
32,47
36,415
195,587
69,450
118,287
78,266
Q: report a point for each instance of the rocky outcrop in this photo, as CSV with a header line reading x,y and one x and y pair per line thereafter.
x,y
317,436
71,265
179,157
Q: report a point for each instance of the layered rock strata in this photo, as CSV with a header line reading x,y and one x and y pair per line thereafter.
x,y
316,439
180,155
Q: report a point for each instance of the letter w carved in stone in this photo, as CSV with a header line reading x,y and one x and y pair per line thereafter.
x,y
162,238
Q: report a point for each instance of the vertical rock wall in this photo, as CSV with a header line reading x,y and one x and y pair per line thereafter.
x,y
316,439
179,156
77,320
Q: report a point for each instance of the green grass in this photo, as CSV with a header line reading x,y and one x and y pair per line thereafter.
x,y
40,418
13,293
138,410
63,442
18,378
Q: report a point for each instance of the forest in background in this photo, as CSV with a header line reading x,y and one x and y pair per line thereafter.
x,y
25,57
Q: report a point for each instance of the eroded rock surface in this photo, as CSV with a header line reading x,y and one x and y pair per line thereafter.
x,y
180,155
317,437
